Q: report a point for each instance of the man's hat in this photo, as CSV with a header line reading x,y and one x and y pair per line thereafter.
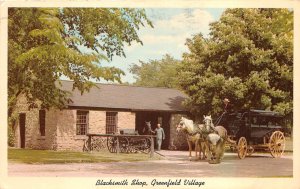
x,y
226,100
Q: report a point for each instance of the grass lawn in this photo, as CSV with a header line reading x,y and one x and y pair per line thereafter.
x,y
47,156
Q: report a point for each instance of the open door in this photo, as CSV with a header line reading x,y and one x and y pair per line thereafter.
x,y
154,117
22,120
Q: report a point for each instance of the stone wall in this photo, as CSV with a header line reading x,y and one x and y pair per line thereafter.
x,y
97,122
50,139
126,120
66,132
32,133
60,127
66,127
21,107
33,138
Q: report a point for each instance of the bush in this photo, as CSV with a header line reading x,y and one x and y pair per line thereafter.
x,y
10,137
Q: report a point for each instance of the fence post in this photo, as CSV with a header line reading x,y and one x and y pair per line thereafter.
x,y
90,143
152,147
118,146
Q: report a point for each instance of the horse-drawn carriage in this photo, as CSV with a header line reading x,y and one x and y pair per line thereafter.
x,y
243,131
255,130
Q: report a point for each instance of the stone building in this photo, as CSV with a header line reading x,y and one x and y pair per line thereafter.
x,y
105,109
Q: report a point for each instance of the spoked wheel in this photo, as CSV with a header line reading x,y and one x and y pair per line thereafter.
x,y
277,144
147,145
132,149
97,144
250,151
86,146
242,148
112,144
124,145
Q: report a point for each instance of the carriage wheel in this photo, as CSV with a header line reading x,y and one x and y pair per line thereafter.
x,y
85,146
132,149
112,144
147,145
250,151
242,148
97,144
124,145
277,144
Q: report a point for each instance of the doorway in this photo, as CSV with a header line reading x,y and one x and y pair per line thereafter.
x,y
22,120
155,117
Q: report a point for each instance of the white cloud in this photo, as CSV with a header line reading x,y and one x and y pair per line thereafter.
x,y
194,21
182,47
132,47
171,28
153,38
174,30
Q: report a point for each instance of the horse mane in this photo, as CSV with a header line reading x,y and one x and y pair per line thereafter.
x,y
191,125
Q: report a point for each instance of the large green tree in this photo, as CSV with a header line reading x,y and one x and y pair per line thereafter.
x,y
156,73
46,44
247,58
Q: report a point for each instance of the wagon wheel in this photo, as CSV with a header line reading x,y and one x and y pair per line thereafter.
x,y
131,146
112,144
242,147
132,149
277,144
86,146
124,145
147,145
98,144
93,145
250,151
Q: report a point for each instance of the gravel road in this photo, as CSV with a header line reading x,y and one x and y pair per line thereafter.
x,y
175,164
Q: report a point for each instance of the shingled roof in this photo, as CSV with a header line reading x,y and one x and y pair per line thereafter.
x,y
114,96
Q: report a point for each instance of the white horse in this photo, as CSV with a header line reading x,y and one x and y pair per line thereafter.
x,y
215,145
216,138
220,130
193,136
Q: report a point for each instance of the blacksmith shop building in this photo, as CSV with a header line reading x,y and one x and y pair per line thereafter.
x,y
105,109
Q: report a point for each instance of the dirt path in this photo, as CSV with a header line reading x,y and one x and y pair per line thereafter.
x,y
175,164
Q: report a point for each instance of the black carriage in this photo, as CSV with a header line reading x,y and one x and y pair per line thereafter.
x,y
255,130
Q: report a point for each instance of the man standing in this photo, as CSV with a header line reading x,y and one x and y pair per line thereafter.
x,y
160,135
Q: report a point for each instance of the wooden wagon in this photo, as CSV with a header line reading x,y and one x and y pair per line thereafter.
x,y
127,141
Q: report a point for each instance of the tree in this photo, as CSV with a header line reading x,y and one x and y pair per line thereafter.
x,y
45,44
247,58
156,73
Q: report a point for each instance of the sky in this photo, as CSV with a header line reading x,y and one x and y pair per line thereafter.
x,y
171,28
